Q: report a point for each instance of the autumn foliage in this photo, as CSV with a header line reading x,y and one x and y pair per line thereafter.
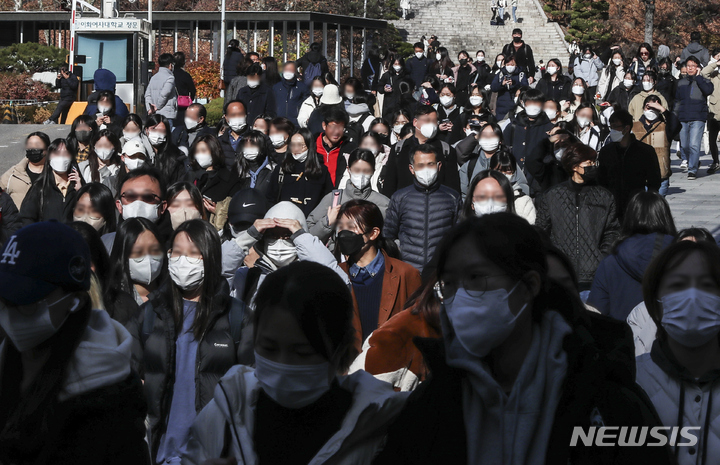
x,y
206,75
21,86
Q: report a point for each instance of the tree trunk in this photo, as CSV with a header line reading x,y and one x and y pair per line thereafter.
x,y
649,18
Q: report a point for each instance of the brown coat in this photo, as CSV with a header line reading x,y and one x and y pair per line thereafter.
x,y
399,282
16,182
657,139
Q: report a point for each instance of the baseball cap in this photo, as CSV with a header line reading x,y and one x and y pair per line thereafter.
x,y
246,206
41,257
134,146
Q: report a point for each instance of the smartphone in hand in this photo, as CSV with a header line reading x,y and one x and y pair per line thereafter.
x,y
336,197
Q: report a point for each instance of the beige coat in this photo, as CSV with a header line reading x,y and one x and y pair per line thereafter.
x,y
636,108
712,72
16,182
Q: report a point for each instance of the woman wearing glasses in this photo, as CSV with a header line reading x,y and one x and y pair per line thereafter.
x,y
192,333
520,364
579,215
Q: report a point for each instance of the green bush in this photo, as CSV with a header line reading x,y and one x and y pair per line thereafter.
x,y
31,57
214,111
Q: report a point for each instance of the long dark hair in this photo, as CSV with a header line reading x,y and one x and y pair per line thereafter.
x,y
114,159
313,164
102,200
110,97
133,118
192,190
258,139
127,234
647,213
168,156
467,209
216,152
424,302
368,216
46,181
81,119
207,240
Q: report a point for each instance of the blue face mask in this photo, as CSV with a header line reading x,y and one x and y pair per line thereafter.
x,y
481,323
292,386
691,316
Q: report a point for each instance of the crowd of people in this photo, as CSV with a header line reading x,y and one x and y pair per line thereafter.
x,y
281,287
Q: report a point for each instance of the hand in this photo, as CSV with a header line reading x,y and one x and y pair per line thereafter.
x,y
74,176
426,85
263,225
152,109
656,106
531,79
332,215
634,59
209,205
446,127
292,225
99,120
615,47
230,461
566,105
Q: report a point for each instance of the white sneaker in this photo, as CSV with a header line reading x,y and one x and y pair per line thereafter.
x,y
684,165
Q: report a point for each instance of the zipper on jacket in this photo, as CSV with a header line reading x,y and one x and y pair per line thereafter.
x,y
577,232
427,226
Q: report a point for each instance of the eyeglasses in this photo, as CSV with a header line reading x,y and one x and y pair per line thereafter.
x,y
174,258
147,197
474,285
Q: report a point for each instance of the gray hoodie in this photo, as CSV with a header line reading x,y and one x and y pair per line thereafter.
x,y
161,93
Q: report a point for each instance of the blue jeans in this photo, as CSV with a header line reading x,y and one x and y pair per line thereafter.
x,y
664,185
514,10
690,141
501,14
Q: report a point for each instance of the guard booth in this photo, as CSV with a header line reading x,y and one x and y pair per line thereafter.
x,y
120,45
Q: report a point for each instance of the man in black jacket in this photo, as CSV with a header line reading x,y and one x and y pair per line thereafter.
x,y
236,117
257,96
523,54
195,123
626,165
417,66
68,84
426,127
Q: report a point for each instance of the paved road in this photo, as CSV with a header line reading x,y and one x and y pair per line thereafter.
x,y
693,203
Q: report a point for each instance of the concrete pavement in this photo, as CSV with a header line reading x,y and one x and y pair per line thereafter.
x,y
693,203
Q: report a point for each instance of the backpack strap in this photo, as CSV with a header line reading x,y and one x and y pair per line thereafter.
x,y
445,148
399,146
236,317
471,168
148,322
281,178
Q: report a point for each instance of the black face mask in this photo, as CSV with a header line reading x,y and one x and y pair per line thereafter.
x,y
663,72
83,136
349,242
517,40
34,155
384,138
463,61
590,173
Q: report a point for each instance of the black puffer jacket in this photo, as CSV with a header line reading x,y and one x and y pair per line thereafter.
x,y
420,217
216,353
582,222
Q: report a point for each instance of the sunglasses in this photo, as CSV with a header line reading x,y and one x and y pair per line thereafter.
x,y
148,197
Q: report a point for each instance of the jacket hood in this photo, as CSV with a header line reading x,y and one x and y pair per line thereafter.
x,y
636,252
287,210
695,47
357,109
374,407
314,57
104,80
101,359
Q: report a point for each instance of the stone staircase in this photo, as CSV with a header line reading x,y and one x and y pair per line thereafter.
x,y
465,25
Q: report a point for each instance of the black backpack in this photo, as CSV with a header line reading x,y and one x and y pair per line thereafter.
x,y
355,130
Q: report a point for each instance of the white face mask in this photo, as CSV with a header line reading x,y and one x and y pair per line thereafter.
x,y
133,163
490,144
617,61
96,223
446,100
318,91
480,58
60,164
288,75
438,56
650,115
428,130
469,131
616,136
426,177
27,329
140,209
628,83
292,386
418,55
146,269
182,215
236,124
130,135
102,109
397,68
156,138
647,86
190,124
583,122
476,100
397,128
551,113
552,70
300,157
559,153
253,84
349,95
281,252
578,90
203,159
104,154
359,180
510,68
277,140
499,64
489,206
251,153
533,110
186,274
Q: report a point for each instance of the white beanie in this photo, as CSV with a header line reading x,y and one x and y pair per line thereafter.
x,y
287,211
